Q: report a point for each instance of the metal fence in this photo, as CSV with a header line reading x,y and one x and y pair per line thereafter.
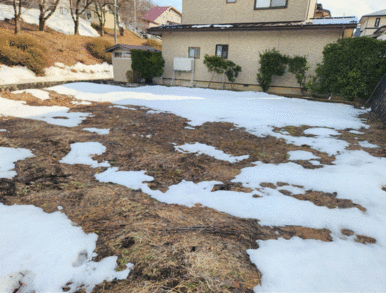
x,y
377,101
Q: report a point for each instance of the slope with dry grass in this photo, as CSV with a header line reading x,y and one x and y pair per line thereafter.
x,y
66,49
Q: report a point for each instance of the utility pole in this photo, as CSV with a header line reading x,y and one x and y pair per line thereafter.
x,y
115,22
135,14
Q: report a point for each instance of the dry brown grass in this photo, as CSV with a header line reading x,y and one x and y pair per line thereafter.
x,y
173,248
67,49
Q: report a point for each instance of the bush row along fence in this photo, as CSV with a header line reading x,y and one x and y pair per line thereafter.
x,y
377,100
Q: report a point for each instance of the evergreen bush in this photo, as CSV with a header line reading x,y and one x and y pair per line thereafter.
x,y
97,49
351,68
147,64
272,63
215,65
232,71
298,66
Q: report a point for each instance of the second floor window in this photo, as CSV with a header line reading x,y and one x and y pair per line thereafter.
x,y
377,21
264,4
222,51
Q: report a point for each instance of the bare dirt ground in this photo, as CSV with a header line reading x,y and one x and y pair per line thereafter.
x,y
173,248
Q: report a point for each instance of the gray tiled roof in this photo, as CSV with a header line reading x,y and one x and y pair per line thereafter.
x,y
131,47
377,13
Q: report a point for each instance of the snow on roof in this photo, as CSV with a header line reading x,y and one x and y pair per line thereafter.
x,y
334,20
376,13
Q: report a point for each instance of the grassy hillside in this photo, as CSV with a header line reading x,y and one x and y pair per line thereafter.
x,y
67,49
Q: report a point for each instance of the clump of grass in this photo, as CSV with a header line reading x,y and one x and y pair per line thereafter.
x,y
23,50
97,49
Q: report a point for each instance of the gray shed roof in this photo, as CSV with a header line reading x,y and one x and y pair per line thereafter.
x,y
131,47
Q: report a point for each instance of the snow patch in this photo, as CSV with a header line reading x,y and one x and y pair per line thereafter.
x,y
45,251
301,155
200,148
40,94
8,158
81,153
55,115
98,130
366,144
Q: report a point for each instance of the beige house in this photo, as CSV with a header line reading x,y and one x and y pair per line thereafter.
x,y
91,15
240,30
162,16
121,56
370,23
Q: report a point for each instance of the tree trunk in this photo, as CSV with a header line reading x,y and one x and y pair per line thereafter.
x,y
101,28
76,23
17,24
42,23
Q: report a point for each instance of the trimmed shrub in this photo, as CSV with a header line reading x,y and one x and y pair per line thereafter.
x,y
153,43
97,47
25,51
147,64
232,71
350,68
298,65
215,65
272,63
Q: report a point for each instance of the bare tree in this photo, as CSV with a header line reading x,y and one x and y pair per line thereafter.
x,y
101,7
18,6
47,9
77,8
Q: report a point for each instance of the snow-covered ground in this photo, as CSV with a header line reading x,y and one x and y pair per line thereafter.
x,y
286,265
59,72
60,22
42,252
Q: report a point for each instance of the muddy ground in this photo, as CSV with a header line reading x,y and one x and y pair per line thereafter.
x,y
173,248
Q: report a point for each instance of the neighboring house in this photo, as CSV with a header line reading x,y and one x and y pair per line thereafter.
x,y
239,30
92,16
162,16
320,12
380,33
371,22
121,56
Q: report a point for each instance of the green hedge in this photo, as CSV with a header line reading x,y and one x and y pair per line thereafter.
x,y
97,47
147,64
25,51
350,68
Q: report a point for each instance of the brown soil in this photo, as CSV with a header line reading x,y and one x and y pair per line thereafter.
x,y
173,248
67,49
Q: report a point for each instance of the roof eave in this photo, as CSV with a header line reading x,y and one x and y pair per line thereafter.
x,y
160,30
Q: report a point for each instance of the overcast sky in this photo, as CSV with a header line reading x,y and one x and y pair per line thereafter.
x,y
337,7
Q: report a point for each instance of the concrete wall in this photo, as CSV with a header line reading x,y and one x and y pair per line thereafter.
x,y
367,25
244,49
243,11
121,66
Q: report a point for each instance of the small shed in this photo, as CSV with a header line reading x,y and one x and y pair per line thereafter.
x,y
121,56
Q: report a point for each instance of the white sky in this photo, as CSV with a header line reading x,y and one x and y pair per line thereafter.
x,y
337,7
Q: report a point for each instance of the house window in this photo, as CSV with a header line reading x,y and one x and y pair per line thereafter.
x,y
267,4
231,1
122,55
377,21
222,51
194,52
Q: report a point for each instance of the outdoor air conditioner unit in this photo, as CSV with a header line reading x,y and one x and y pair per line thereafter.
x,y
183,64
